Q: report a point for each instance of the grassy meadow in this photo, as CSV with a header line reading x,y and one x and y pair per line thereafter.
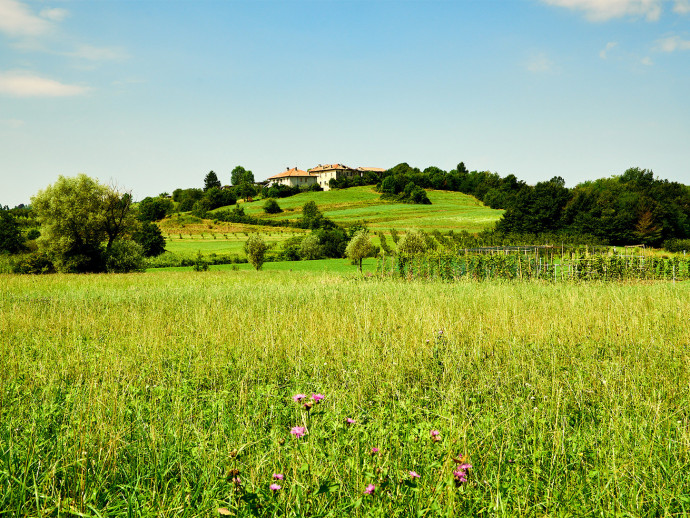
x,y
171,394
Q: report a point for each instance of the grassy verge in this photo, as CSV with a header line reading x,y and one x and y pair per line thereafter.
x,y
172,394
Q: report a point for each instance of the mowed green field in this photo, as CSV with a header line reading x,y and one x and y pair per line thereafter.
x,y
448,211
171,394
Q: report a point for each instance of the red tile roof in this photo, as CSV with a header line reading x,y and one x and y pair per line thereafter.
x,y
290,172
328,167
372,169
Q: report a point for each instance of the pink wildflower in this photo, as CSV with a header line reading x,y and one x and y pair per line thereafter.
x,y
274,487
278,476
414,474
435,433
298,397
298,431
349,420
370,489
317,397
374,451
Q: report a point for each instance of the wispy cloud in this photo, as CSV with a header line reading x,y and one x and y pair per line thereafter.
x,y
671,44
647,61
92,53
603,54
682,7
27,84
56,14
539,63
601,10
16,19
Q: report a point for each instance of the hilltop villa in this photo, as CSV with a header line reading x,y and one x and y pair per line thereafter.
x,y
321,174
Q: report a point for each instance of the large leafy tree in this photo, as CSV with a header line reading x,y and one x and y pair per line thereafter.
x,y
81,220
11,240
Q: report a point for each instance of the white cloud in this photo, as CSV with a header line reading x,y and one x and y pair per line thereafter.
x,y
601,10
671,44
26,84
682,7
647,61
56,14
91,53
603,54
539,63
17,20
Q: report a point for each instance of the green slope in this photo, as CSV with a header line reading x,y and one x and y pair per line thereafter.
x,y
448,210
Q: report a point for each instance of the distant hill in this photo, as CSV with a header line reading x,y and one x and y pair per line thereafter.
x,y
448,210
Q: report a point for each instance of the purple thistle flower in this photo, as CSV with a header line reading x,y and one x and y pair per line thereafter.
x,y
298,431
370,489
317,397
278,476
274,487
414,474
298,397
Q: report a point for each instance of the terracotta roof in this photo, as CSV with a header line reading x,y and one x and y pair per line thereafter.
x,y
327,167
290,172
372,169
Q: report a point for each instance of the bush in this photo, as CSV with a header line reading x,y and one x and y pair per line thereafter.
x,y
271,207
256,248
124,256
33,234
311,248
412,243
36,262
150,238
200,264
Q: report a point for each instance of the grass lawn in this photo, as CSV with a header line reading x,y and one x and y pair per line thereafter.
x,y
341,266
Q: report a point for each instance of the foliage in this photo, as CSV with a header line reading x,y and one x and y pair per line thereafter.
x,y
256,249
11,240
311,248
412,243
36,262
33,234
240,175
359,247
271,206
148,235
124,256
211,181
200,263
216,197
186,198
78,216
154,209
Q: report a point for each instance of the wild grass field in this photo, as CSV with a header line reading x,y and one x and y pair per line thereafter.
x,y
174,395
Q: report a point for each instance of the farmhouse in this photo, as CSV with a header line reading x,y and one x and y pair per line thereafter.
x,y
293,178
321,174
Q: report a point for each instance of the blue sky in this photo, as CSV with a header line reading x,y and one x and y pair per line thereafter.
x,y
151,95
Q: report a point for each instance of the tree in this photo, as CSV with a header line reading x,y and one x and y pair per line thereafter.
x,y
154,209
359,247
150,238
412,243
271,207
211,180
311,248
241,175
11,240
256,248
80,222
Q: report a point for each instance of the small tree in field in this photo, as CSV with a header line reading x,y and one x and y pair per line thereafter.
x,y
271,207
256,248
359,247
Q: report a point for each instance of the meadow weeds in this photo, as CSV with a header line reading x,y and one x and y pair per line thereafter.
x,y
284,394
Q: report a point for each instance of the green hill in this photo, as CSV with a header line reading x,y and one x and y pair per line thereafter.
x,y
448,210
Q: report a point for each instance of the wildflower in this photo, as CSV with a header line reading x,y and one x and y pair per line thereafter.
x,y
374,451
278,476
349,420
435,435
237,481
298,397
370,489
460,473
465,467
274,487
414,474
308,405
298,431
317,397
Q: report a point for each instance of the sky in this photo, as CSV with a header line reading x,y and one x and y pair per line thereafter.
x,y
151,95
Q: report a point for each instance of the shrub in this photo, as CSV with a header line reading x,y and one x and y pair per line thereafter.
x,y
359,247
256,248
271,207
36,262
124,256
200,264
412,243
311,248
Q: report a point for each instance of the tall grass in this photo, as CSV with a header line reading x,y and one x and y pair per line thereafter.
x,y
151,394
